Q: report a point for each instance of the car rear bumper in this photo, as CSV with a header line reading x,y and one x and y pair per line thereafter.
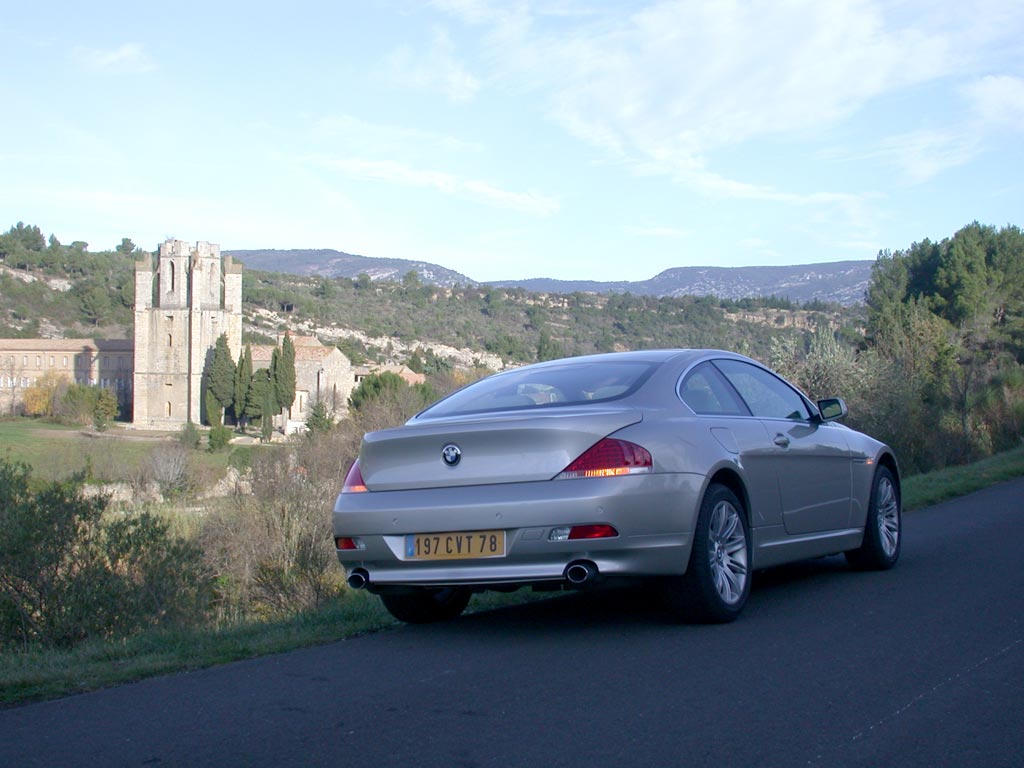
x,y
654,515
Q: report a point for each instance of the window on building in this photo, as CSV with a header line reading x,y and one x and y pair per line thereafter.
x,y
51,361
168,409
65,361
170,340
39,361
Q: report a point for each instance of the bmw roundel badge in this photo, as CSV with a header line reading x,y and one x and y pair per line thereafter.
x,y
451,454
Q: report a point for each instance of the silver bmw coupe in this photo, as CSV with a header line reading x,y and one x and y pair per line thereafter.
x,y
685,468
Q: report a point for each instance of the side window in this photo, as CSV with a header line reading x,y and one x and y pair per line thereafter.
x,y
766,395
707,393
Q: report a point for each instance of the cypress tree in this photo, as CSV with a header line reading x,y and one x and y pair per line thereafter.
x,y
284,374
243,381
222,373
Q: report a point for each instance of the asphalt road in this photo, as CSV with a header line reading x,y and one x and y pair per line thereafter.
x,y
920,666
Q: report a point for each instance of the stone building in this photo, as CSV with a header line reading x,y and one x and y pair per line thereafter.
x,y
184,302
321,374
181,308
96,362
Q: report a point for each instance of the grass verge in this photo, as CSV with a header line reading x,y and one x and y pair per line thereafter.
x,y
932,487
41,674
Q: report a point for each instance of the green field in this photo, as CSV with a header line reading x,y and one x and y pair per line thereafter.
x,y
55,451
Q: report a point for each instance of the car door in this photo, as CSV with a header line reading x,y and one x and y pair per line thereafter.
x,y
708,394
810,461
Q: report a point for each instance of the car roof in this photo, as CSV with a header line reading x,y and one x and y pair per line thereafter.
x,y
680,356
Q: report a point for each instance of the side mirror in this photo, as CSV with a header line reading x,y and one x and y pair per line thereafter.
x,y
831,408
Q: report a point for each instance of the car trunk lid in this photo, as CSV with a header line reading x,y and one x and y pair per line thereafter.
x,y
501,448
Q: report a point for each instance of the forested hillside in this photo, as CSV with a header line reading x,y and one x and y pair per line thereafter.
x,y
940,373
51,289
932,363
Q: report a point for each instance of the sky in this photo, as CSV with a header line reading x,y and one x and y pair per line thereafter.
x,y
509,139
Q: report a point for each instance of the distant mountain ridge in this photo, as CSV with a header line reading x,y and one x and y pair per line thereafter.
x,y
842,282
331,263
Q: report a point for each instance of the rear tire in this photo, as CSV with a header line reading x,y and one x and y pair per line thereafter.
x,y
883,528
425,606
716,584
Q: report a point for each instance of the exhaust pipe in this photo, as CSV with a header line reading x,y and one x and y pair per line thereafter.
x,y
580,572
358,578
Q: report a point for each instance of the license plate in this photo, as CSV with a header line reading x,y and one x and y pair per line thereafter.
x,y
455,545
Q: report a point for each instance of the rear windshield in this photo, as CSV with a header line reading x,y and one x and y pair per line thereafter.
x,y
545,387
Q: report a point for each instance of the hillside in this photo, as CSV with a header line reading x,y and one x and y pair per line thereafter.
x,y
53,290
842,282
330,263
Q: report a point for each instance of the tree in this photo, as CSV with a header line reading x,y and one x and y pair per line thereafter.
x,y
269,408
257,401
415,362
105,409
325,289
284,375
222,373
547,348
43,397
94,301
243,381
319,418
374,386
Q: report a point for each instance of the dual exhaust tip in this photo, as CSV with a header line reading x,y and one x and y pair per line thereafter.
x,y
358,579
577,573
580,572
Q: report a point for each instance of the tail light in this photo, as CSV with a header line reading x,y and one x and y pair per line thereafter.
x,y
354,480
348,543
576,532
609,458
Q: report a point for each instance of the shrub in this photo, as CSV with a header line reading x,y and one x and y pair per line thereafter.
x,y
273,553
169,465
219,438
70,570
241,458
189,435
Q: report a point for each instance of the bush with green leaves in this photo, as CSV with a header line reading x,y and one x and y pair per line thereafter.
x,y
189,435
71,570
219,438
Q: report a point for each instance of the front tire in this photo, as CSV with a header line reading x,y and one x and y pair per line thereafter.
x,y
883,527
425,606
716,584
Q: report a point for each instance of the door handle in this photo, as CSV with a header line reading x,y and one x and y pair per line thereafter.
x,y
782,441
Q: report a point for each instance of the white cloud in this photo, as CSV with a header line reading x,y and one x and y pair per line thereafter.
x,y
128,58
664,87
922,155
391,172
997,102
436,70
678,79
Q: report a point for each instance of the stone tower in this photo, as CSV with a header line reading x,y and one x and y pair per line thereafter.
x,y
180,310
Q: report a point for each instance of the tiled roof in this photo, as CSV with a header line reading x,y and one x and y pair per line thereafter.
x,y
67,345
